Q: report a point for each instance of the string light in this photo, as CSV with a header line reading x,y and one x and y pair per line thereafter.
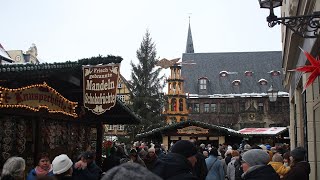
x,y
44,85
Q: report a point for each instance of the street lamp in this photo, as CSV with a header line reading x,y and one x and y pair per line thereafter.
x,y
273,94
305,26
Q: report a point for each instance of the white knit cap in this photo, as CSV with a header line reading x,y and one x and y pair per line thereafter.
x,y
61,164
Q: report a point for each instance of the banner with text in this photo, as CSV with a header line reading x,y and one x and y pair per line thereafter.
x,y
100,87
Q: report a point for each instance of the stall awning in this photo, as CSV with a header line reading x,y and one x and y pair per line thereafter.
x,y
263,131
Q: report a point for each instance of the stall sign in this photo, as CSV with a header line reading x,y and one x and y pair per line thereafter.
x,y
35,97
100,87
193,130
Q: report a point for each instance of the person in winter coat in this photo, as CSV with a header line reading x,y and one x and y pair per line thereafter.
x,y
135,158
299,169
86,168
231,166
254,164
111,161
178,163
62,167
215,166
44,167
13,169
150,158
278,166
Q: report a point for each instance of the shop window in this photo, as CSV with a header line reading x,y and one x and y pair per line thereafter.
x,y
206,108
214,107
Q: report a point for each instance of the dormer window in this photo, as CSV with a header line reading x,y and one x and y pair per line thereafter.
x,y
248,73
263,82
223,73
275,73
236,83
203,83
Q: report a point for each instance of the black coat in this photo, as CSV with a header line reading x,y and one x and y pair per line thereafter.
x,y
265,172
92,172
174,167
200,168
110,162
300,170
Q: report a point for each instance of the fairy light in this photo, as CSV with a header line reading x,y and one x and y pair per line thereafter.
x,y
52,90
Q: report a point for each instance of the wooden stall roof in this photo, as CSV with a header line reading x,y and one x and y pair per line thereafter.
x,y
66,78
182,124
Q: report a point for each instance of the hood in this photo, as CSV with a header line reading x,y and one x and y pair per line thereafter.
x,y
171,165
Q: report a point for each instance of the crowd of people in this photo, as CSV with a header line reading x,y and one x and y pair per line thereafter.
x,y
184,160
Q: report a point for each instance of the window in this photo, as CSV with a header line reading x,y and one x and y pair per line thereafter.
x,y
214,107
180,104
196,108
236,83
275,107
203,84
121,127
119,85
226,108
110,127
248,73
229,108
242,106
206,108
121,97
260,107
263,82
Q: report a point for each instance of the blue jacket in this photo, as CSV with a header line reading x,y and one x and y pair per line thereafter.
x,y
33,175
215,168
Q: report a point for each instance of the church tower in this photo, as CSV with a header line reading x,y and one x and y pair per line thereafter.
x,y
176,109
189,47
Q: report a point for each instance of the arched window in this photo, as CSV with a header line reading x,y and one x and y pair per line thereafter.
x,y
180,104
173,104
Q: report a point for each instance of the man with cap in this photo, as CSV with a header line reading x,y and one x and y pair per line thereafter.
x,y
178,163
299,168
255,166
86,168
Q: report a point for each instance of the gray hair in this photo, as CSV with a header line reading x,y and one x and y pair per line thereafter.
x,y
14,166
277,158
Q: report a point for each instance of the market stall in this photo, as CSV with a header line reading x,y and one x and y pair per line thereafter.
x,y
42,110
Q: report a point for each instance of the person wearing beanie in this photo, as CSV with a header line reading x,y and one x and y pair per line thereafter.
x,y
135,158
255,166
150,158
178,163
62,167
278,166
299,168
132,171
215,166
13,169
86,168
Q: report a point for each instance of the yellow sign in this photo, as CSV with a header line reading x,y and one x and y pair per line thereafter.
x,y
35,97
193,130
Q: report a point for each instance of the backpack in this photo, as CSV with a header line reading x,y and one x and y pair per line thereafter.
x,y
238,169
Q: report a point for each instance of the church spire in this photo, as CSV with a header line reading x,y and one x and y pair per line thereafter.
x,y
189,48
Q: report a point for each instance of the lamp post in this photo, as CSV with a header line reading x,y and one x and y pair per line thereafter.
x,y
273,94
306,26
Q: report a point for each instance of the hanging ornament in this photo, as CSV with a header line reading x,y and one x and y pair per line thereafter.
x,y
314,68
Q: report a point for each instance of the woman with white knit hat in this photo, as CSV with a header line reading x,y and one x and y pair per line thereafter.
x,y
62,167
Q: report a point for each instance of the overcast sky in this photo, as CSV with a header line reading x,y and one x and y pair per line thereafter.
x,y
73,29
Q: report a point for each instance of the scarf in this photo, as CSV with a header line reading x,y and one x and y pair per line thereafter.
x,y
42,172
